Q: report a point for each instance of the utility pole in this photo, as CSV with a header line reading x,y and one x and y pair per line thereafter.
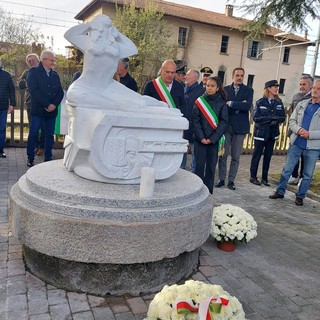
x,y
316,52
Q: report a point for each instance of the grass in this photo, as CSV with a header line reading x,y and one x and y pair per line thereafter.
x,y
315,184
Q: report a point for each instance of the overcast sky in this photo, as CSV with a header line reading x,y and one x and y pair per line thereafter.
x,y
55,17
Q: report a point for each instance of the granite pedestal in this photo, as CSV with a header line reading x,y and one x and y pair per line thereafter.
x,y
101,238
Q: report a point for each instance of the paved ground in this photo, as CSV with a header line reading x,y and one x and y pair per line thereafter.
x,y
276,276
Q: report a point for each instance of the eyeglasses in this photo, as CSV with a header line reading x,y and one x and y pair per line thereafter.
x,y
51,60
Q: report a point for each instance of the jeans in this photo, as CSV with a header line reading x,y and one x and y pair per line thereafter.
x,y
36,123
293,156
3,126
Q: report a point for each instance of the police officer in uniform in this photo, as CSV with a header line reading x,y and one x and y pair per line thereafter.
x,y
206,73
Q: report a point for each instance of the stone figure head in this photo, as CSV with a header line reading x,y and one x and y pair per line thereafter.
x,y
100,37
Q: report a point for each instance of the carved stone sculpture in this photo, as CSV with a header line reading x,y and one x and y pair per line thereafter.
x,y
114,131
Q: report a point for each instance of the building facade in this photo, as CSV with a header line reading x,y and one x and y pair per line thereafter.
x,y
207,38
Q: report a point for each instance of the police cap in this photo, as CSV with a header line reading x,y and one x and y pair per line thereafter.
x,y
206,70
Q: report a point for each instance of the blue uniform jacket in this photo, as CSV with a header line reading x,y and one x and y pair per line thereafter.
x,y
177,93
239,110
44,90
267,117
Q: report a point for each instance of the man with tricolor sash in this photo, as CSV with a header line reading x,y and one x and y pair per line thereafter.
x,y
165,88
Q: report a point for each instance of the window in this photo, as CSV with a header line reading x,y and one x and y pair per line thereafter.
x,y
221,75
250,80
224,44
182,40
255,49
281,85
286,55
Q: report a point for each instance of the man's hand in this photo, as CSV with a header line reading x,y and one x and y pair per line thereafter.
x,y
303,133
50,108
10,109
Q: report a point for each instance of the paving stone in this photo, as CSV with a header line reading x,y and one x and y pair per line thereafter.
x,y
117,304
103,313
137,305
38,306
87,315
60,311
16,286
125,316
17,302
78,302
44,316
33,281
95,301
17,315
37,293
56,297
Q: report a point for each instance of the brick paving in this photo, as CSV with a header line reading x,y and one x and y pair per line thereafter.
x,y
276,276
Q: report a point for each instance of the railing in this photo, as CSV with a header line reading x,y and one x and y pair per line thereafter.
x,y
17,130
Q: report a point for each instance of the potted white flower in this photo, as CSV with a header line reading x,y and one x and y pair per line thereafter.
x,y
194,300
232,224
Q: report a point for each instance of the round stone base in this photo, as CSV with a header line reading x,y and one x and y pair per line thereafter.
x,y
116,279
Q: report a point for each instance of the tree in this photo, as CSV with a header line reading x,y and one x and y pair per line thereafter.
x,y
146,28
16,38
289,15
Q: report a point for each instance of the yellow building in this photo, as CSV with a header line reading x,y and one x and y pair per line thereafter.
x,y
207,38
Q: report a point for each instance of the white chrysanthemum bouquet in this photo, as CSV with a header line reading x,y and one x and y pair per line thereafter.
x,y
232,223
194,300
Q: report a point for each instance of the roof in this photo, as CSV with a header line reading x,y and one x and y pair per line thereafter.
x,y
187,13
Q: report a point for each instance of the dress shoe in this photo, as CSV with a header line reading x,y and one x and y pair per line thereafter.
x,y
220,184
276,195
231,185
2,154
30,163
265,182
255,181
299,201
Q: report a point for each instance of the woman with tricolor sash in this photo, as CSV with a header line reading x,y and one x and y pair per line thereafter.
x,y
210,119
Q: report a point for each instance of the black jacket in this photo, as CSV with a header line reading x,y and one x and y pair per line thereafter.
x,y
7,90
201,126
44,90
267,117
191,94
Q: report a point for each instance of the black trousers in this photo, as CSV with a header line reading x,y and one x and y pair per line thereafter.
x,y
206,161
265,148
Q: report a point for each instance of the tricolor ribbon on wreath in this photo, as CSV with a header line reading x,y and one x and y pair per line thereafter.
x,y
212,118
163,92
205,309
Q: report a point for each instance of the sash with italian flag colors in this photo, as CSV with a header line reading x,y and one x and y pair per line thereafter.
x,y
163,92
212,118
207,111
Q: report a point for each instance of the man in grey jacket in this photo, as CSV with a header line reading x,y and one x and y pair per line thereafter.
x,y
304,140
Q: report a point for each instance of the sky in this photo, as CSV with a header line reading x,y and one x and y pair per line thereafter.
x,y
54,18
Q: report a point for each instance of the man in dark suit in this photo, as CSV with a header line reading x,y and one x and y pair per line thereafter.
x,y
125,78
46,94
193,91
165,88
239,102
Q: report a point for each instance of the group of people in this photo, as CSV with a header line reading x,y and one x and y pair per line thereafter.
x,y
220,116
218,119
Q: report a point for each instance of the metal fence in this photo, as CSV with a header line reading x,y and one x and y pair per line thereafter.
x,y
17,130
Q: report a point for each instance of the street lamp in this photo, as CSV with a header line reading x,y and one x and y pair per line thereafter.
x,y
280,37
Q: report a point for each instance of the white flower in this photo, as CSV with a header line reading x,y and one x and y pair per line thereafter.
x,y
232,223
164,309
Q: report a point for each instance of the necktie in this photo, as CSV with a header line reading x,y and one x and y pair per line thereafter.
x,y
236,90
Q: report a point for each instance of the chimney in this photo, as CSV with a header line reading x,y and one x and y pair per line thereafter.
x,y
229,10
306,34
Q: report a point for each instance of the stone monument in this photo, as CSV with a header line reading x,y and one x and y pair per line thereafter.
x,y
85,222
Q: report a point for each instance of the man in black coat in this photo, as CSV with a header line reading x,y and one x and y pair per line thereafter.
x,y
165,88
125,78
7,103
193,90
46,95
239,103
